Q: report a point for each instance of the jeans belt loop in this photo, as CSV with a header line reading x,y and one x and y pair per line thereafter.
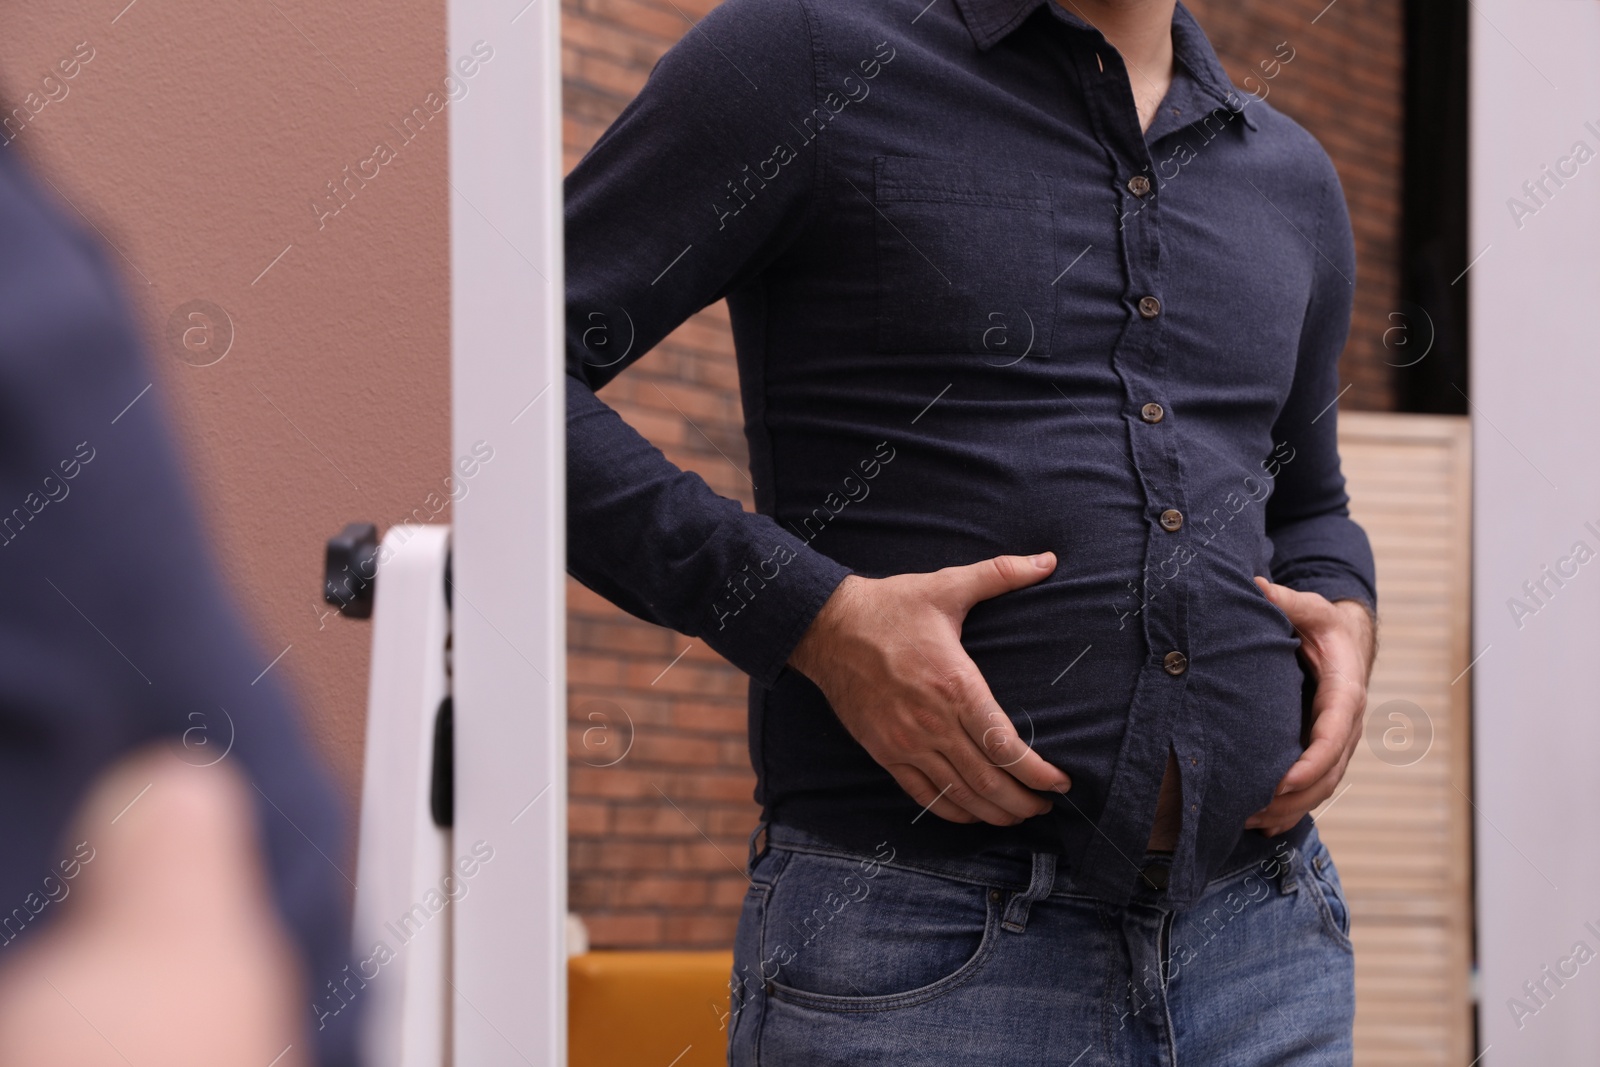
x,y
1289,879
1039,887
766,842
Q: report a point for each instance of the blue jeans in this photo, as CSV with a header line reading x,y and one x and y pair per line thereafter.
x,y
849,958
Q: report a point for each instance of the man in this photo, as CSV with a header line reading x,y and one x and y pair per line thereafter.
x,y
1038,322
168,882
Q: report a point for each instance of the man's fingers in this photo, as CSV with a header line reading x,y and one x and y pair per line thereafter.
x,y
981,781
1337,712
991,577
920,787
1003,746
1286,810
1316,761
990,756
970,783
1334,732
1304,609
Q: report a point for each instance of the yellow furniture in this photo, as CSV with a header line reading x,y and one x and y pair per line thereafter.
x,y
668,1009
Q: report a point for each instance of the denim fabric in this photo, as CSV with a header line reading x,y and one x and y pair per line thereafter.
x,y
962,332
855,958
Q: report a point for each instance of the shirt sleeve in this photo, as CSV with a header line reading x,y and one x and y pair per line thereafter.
x,y
1317,547
689,195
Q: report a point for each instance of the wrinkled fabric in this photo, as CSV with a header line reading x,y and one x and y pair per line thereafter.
x,y
952,314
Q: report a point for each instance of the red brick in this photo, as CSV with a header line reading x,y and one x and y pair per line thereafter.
x,y
591,895
712,857
617,783
587,817
660,822
692,402
621,636
630,49
624,931
699,930
684,677
661,892
614,854
691,751
727,894
608,708
727,718
602,73
594,670
724,786
650,18
731,822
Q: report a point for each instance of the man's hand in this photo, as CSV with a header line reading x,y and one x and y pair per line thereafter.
x,y
1338,640
887,654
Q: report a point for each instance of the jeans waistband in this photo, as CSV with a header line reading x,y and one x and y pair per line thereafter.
x,y
1014,869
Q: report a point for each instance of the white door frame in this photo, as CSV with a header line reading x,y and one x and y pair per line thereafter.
x,y
508,536
1535,283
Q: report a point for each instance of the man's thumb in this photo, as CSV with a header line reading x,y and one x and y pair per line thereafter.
x,y
1299,606
1002,574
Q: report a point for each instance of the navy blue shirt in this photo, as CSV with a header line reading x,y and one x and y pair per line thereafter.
x,y
116,629
978,310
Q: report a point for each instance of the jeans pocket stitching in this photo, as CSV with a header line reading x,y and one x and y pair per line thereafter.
x,y
760,894
1324,889
911,997
764,891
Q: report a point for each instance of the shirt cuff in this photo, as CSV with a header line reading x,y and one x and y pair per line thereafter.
x,y
756,622
1337,587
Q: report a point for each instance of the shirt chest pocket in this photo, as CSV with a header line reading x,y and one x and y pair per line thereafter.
x,y
965,260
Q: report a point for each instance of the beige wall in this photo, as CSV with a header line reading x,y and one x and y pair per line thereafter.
x,y
196,138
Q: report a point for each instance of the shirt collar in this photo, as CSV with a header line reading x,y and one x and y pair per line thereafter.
x,y
989,21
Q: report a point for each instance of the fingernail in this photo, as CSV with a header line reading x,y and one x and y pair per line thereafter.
x,y
1042,560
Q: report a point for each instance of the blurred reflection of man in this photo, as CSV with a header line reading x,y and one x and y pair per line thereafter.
x,y
166,888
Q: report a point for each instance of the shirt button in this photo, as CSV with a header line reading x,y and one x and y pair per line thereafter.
x,y
1149,307
1152,412
1175,663
1139,185
1172,520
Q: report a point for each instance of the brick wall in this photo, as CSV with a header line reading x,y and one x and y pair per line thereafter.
x,y
660,778
1346,85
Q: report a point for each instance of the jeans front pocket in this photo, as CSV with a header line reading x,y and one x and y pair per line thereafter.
x,y
857,936
966,260
752,965
1324,878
